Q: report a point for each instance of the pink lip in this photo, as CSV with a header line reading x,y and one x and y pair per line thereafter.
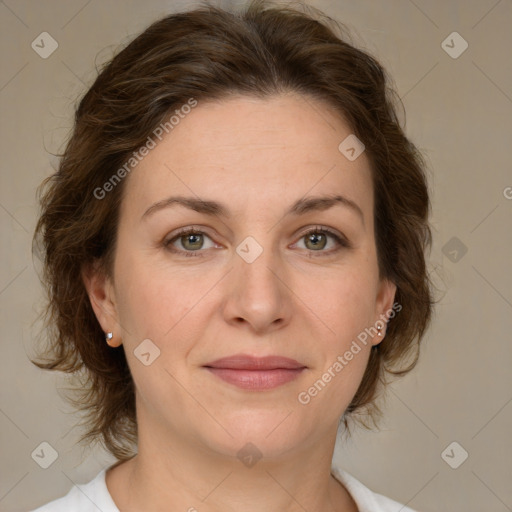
x,y
256,373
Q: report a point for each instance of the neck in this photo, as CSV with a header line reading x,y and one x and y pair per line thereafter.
x,y
182,474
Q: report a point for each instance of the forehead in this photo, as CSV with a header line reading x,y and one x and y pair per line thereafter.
x,y
247,150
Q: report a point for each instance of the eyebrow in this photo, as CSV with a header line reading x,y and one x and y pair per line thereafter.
x,y
216,209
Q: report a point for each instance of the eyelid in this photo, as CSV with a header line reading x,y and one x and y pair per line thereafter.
x,y
339,238
187,230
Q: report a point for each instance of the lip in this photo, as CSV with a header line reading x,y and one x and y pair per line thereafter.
x,y
256,373
245,362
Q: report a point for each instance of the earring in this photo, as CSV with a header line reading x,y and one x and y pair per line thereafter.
x,y
109,337
379,328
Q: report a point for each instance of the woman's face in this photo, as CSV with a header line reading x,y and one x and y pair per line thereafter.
x,y
251,283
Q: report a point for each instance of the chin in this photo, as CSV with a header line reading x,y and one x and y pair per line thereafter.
x,y
269,432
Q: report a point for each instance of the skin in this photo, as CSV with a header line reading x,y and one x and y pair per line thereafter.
x,y
298,299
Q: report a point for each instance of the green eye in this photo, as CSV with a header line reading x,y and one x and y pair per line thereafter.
x,y
317,239
191,242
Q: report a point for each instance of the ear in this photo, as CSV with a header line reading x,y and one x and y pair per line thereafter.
x,y
102,296
384,306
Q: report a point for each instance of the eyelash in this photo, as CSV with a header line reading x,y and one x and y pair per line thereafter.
x,y
342,242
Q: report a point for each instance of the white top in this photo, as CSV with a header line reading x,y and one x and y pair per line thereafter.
x,y
94,496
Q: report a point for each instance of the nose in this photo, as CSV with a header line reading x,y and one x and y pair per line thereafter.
x,y
257,296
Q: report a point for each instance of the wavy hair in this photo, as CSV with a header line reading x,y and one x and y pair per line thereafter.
x,y
211,53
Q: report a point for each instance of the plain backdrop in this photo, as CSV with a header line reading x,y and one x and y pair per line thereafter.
x,y
459,113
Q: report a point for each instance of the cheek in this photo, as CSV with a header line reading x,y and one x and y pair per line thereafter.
x,y
347,309
346,304
151,305
149,301
169,307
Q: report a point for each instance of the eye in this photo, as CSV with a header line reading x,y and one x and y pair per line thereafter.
x,y
193,242
189,242
317,239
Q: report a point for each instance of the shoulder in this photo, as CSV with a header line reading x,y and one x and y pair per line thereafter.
x,y
89,497
367,500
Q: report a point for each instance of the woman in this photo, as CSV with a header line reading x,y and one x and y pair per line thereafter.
x,y
235,259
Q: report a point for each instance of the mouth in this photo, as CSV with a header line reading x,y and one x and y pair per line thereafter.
x,y
256,373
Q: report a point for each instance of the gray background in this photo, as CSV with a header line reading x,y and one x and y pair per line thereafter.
x,y
459,112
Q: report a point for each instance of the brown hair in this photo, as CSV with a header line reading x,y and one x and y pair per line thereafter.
x,y
209,54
